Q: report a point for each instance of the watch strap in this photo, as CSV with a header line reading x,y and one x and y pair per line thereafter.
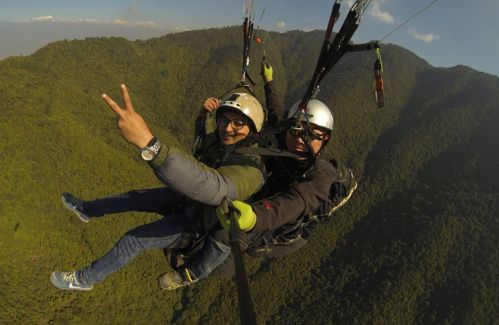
x,y
152,142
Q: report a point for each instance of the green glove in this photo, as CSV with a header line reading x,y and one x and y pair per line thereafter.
x,y
266,71
245,217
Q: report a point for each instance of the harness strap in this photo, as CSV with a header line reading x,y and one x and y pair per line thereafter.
x,y
238,244
267,152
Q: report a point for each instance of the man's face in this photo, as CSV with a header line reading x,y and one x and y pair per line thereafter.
x,y
295,141
232,128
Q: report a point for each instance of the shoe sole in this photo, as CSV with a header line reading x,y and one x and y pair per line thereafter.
x,y
345,200
72,209
164,286
173,285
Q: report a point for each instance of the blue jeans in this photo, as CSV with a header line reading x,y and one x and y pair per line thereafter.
x,y
213,254
219,261
171,232
156,200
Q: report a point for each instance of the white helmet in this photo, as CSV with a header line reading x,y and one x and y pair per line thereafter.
x,y
246,104
317,112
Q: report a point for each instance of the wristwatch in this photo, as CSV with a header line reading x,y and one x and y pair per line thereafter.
x,y
150,151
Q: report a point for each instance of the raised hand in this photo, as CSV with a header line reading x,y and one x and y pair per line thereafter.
x,y
211,104
131,125
266,71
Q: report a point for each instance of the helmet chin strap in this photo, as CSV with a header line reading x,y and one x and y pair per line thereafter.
x,y
300,117
310,150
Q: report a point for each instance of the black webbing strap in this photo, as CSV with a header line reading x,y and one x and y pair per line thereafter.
x,y
319,68
238,243
247,38
331,52
267,152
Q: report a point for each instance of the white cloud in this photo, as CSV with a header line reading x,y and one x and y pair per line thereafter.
x,y
123,22
280,25
86,20
427,38
378,14
53,19
118,21
43,18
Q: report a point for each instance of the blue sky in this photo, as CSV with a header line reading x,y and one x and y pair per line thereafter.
x,y
450,32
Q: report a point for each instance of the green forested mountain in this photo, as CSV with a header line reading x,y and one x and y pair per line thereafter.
x,y
417,243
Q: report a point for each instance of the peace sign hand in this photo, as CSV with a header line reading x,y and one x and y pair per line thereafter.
x,y
131,125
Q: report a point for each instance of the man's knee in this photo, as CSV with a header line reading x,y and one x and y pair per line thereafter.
x,y
226,269
221,236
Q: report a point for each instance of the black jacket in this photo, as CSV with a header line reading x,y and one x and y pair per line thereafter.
x,y
295,197
296,188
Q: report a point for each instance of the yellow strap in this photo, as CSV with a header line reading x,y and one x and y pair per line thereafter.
x,y
188,275
378,54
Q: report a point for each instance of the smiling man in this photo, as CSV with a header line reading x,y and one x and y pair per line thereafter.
x,y
193,185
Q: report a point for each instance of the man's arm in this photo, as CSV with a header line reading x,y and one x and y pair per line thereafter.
x,y
304,198
275,107
181,171
197,181
273,100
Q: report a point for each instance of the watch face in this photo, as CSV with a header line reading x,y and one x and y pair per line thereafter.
x,y
147,154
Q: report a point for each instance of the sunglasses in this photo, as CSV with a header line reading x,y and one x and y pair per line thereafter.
x,y
314,134
236,124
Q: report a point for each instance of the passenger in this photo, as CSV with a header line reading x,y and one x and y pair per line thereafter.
x,y
203,185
